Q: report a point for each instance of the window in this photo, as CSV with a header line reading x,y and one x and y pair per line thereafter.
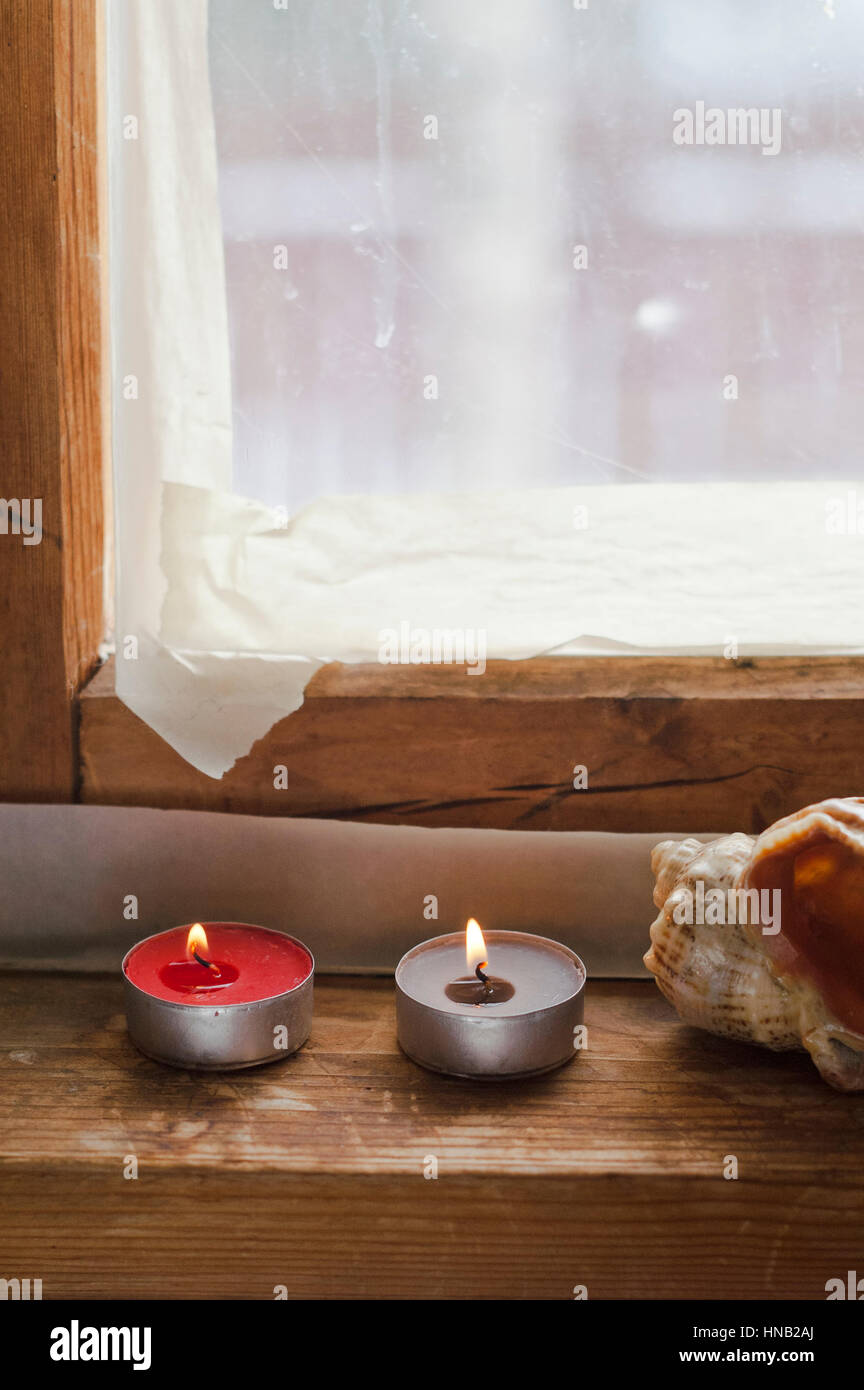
x,y
532,323
495,268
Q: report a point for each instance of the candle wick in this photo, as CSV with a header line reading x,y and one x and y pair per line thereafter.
x,y
484,979
208,964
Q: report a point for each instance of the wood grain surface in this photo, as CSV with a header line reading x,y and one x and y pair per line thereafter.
x,y
308,1174
687,741
51,400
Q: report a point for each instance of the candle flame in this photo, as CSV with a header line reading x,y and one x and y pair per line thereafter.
x,y
197,941
475,946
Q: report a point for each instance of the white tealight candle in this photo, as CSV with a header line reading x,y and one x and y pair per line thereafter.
x,y
493,1009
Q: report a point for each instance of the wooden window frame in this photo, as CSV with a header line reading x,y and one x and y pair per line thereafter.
x,y
672,743
52,385
688,743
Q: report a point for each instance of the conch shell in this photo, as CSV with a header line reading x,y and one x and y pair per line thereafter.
x,y
790,975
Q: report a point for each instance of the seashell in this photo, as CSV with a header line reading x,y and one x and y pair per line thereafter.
x,y
763,939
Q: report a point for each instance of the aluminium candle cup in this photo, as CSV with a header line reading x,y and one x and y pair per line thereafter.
x,y
219,1037
491,1042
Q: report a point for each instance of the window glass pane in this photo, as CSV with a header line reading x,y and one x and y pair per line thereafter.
x,y
464,249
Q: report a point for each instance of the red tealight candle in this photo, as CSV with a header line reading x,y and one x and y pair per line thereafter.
x,y
218,995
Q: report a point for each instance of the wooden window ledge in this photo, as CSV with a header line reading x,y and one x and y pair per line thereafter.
x,y
688,742
310,1173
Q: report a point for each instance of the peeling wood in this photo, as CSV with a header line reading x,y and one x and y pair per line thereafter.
x,y
696,743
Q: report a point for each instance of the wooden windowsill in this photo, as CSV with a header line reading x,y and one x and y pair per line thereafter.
x,y
690,742
309,1172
